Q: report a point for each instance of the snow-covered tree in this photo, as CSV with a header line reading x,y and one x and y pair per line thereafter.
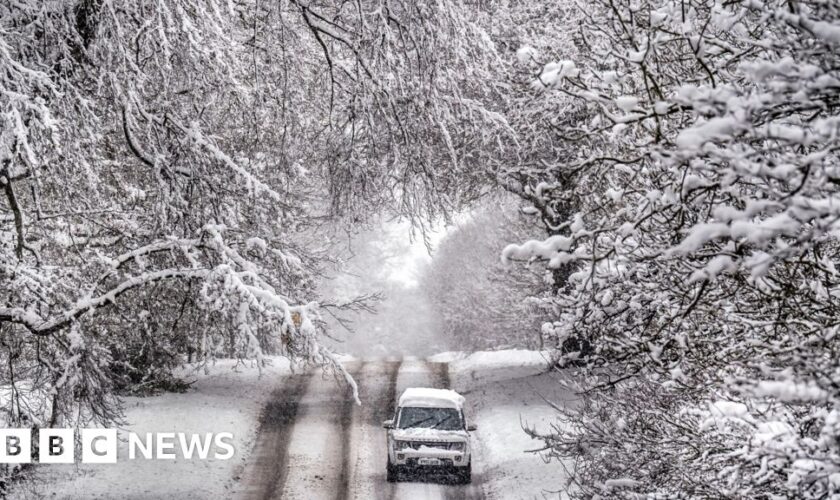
x,y
700,161
479,302
166,165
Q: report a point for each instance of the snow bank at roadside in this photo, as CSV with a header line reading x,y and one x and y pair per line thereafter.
x,y
505,391
447,357
508,466
483,367
228,398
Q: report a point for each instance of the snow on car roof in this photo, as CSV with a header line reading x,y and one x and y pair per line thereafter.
x,y
431,398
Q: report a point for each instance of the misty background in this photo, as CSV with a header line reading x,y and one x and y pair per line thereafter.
x,y
389,259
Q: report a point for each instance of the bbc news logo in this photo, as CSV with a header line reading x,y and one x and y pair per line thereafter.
x,y
100,446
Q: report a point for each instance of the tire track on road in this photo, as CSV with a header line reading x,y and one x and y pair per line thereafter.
x,y
269,460
391,393
382,408
345,422
289,461
440,375
269,469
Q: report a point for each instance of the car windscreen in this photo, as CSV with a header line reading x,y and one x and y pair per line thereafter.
x,y
445,419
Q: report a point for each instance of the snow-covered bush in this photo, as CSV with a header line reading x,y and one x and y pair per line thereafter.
x,y
702,170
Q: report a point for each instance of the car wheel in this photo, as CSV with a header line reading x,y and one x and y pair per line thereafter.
x,y
465,475
392,474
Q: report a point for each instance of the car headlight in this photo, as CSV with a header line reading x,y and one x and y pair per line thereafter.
x,y
401,445
459,446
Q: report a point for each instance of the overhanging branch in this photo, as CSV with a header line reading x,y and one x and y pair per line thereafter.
x,y
42,327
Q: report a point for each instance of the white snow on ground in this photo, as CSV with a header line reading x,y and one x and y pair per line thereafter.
x,y
504,392
228,399
314,444
447,357
484,367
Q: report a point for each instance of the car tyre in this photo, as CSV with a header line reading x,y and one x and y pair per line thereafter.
x,y
392,474
465,475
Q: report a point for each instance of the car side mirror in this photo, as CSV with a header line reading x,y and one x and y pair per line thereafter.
x,y
472,427
388,424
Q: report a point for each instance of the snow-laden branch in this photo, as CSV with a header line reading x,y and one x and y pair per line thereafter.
x,y
46,326
701,269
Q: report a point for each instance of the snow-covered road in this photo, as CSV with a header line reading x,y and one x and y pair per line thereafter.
x,y
300,435
315,443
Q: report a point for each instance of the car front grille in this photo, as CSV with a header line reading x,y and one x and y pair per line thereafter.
x,y
416,445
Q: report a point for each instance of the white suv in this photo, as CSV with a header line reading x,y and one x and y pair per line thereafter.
x,y
429,432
